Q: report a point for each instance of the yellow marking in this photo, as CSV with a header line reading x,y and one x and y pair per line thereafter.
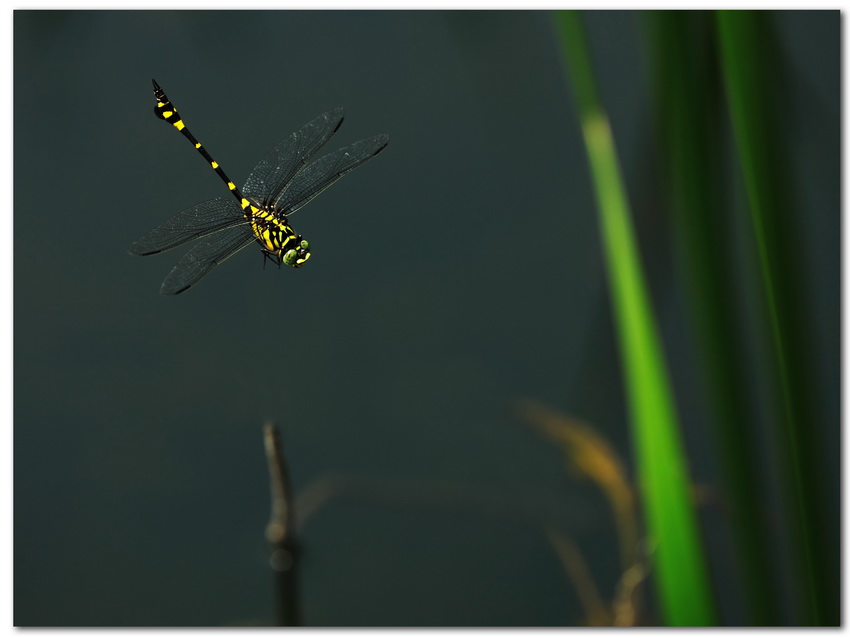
x,y
214,164
231,186
267,238
245,203
198,145
179,124
159,104
167,114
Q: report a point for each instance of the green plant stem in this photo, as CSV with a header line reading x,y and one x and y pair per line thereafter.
x,y
751,64
687,90
680,575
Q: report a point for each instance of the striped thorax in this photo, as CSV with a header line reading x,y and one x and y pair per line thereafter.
x,y
277,238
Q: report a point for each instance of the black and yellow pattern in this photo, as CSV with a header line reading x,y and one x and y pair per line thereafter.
x,y
278,186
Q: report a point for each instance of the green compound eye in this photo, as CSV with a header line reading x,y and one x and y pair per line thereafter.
x,y
305,245
289,257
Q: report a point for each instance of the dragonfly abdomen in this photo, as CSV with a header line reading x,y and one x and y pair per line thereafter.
x,y
165,110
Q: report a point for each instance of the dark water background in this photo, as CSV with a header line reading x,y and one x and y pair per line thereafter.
x,y
458,271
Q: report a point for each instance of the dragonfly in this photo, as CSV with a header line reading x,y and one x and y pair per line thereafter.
x,y
281,184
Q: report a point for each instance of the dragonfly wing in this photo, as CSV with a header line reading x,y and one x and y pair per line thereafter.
x,y
270,177
205,256
326,170
202,219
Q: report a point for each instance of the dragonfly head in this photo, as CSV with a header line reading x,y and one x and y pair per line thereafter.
x,y
296,257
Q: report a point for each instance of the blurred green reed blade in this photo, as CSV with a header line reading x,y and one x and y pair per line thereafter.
x,y
679,569
751,66
688,99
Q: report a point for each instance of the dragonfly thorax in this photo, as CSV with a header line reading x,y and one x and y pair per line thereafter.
x,y
277,238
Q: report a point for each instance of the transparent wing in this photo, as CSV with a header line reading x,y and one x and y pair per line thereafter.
x,y
325,171
270,177
202,219
205,256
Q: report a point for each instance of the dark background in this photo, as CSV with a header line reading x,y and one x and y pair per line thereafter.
x,y
455,273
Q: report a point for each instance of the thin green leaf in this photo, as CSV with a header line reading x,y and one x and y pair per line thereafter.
x,y
680,573
688,102
751,67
